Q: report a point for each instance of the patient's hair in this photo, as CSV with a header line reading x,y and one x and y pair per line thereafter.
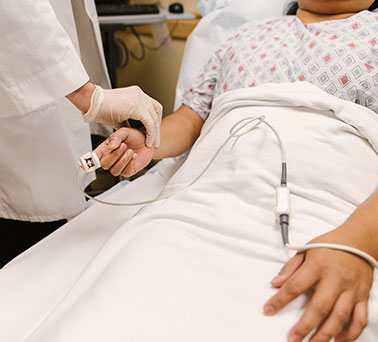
x,y
293,7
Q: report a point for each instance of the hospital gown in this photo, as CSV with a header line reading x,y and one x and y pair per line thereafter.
x,y
339,56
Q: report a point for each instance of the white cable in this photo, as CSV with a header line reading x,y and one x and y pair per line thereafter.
x,y
344,248
235,132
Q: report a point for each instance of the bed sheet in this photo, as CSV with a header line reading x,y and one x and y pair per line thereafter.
x,y
197,266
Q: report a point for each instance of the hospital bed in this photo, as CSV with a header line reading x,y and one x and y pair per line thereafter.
x,y
197,266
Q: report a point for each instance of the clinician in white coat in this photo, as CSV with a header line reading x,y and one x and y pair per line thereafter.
x,y
50,50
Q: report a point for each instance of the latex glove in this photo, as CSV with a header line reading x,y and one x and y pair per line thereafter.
x,y
341,285
115,106
124,152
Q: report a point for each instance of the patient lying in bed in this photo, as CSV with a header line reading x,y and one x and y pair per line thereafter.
x,y
339,57
198,266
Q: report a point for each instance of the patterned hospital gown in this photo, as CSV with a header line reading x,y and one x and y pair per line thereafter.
x,y
338,56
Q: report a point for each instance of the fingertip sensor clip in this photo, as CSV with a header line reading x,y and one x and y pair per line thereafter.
x,y
89,162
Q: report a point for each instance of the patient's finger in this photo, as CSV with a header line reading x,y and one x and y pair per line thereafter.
x,y
288,270
122,163
130,170
338,318
300,282
357,325
108,160
112,143
116,138
102,150
316,311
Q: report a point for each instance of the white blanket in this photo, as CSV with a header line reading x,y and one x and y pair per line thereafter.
x,y
197,266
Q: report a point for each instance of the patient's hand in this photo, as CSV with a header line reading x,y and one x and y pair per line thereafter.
x,y
341,285
124,152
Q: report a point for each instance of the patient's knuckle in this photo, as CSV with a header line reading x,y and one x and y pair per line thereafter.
x,y
304,328
364,290
342,315
126,173
115,172
361,322
294,287
352,337
322,307
364,322
354,333
105,166
323,336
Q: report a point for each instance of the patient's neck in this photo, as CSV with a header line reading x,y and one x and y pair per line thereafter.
x,y
308,17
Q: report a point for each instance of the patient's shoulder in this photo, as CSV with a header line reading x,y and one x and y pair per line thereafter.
x,y
266,23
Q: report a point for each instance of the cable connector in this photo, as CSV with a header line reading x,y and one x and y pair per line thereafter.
x,y
282,202
282,211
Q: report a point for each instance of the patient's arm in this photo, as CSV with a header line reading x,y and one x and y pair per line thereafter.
x,y
178,132
125,153
341,281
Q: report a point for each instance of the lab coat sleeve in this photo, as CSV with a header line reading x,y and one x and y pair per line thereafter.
x,y
38,61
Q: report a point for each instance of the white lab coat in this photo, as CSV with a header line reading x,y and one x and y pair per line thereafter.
x,y
41,133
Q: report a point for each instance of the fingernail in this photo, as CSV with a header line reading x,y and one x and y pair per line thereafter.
x,y
295,338
269,310
277,279
135,155
112,144
129,153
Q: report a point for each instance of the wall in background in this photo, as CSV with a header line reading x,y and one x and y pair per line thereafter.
x,y
158,71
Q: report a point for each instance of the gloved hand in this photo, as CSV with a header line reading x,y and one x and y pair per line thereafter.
x,y
115,106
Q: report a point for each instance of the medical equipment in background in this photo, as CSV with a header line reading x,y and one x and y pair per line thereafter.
x,y
91,162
